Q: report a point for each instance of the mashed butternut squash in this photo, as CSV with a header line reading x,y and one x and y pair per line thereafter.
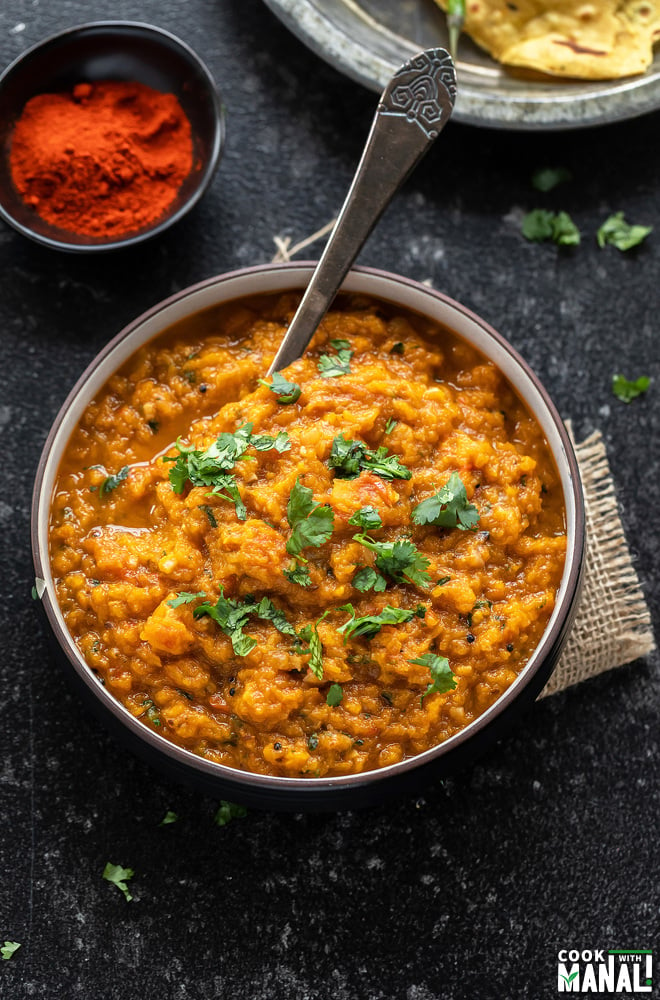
x,y
272,592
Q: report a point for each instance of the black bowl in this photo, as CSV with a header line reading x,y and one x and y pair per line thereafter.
x,y
111,50
367,787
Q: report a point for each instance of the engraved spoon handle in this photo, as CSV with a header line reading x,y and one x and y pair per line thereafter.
x,y
412,111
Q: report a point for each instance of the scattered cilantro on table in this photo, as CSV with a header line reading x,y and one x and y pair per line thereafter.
x,y
213,467
627,390
349,458
546,178
287,392
332,366
119,876
169,818
541,225
228,811
400,560
8,949
442,678
370,625
618,233
448,507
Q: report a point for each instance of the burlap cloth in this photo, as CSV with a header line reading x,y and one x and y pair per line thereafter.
x,y
610,580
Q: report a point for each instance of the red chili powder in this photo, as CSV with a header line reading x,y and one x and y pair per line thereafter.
x,y
105,161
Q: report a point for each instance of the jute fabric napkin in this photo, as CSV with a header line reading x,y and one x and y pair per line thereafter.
x,y
610,580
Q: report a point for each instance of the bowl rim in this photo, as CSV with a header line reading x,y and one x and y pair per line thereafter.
x,y
219,132
533,670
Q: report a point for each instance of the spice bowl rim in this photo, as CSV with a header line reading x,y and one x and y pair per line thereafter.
x,y
365,787
70,241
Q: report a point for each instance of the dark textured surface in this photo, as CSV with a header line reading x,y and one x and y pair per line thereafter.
x,y
551,841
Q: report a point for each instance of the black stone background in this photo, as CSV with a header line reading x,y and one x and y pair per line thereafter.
x,y
552,839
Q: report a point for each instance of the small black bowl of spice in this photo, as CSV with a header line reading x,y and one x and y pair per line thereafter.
x,y
110,132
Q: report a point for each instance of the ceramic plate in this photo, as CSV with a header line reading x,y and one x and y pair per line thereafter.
x,y
369,39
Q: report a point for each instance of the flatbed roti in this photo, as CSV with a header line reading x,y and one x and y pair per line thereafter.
x,y
592,41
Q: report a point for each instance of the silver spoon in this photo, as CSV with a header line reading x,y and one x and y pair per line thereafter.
x,y
412,111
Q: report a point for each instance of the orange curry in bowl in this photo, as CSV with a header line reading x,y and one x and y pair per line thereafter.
x,y
317,574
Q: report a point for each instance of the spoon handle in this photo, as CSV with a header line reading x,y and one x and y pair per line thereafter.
x,y
412,111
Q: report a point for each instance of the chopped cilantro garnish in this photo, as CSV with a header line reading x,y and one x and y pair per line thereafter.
x,y
397,348
331,366
312,741
400,560
348,458
370,625
334,695
626,391
287,392
310,635
618,233
168,818
366,518
209,514
8,949
119,876
213,466
228,811
368,579
547,178
183,597
390,425
442,581
232,616
448,508
311,522
112,482
298,574
540,225
443,679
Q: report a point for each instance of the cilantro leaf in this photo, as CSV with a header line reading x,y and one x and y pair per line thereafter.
x,y
287,392
442,677
366,518
112,482
332,367
390,425
168,818
209,514
400,560
620,234
368,579
334,695
540,225
183,597
119,876
232,617
370,625
8,949
310,633
448,508
298,574
228,811
626,390
348,458
311,522
546,178
213,467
